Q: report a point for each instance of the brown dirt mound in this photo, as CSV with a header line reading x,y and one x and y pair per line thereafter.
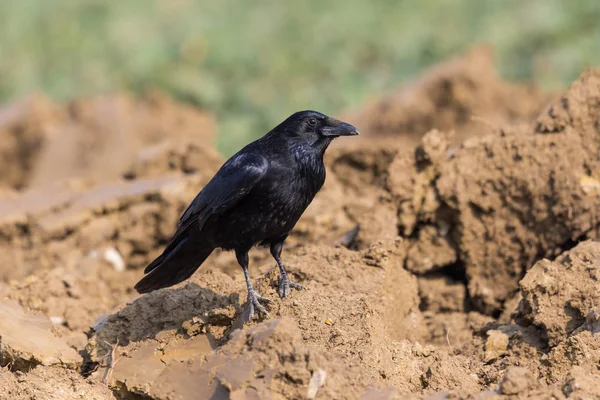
x,y
424,279
342,314
99,139
504,201
73,299
487,210
464,94
70,225
353,326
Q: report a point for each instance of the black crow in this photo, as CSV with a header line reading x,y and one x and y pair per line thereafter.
x,y
256,198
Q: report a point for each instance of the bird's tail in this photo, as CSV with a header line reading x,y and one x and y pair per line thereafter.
x,y
178,262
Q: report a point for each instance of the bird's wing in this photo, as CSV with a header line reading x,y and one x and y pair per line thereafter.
x,y
233,181
230,184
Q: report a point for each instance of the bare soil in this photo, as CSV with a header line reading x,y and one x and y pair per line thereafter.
x,y
452,253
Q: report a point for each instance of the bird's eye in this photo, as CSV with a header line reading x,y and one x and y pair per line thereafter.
x,y
312,122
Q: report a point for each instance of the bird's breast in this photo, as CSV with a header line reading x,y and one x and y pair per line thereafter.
x,y
272,207
303,181
285,194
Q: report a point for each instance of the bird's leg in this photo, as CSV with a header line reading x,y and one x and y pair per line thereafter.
x,y
254,299
283,282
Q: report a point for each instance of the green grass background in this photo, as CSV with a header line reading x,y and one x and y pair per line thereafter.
x,y
252,63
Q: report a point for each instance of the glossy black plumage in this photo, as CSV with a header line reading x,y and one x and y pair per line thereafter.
x,y
256,198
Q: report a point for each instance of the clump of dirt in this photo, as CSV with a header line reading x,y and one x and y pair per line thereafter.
x,y
73,299
26,340
172,156
552,342
100,139
516,380
123,223
463,94
560,299
52,383
23,127
353,208
268,361
463,98
568,284
501,202
357,308
163,312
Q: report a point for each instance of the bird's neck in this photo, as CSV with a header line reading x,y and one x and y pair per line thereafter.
x,y
310,164
309,153
322,144
306,158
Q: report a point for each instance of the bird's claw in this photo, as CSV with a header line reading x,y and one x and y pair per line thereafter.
x,y
284,284
254,304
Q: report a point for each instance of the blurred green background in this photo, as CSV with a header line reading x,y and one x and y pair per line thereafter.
x,y
252,63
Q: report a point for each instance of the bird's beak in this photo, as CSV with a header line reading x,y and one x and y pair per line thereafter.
x,y
342,129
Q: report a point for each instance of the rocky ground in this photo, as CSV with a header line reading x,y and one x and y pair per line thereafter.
x,y
451,253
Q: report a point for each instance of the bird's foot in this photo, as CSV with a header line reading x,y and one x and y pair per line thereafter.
x,y
254,305
284,284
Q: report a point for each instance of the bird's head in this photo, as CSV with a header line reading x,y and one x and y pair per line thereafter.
x,y
315,128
